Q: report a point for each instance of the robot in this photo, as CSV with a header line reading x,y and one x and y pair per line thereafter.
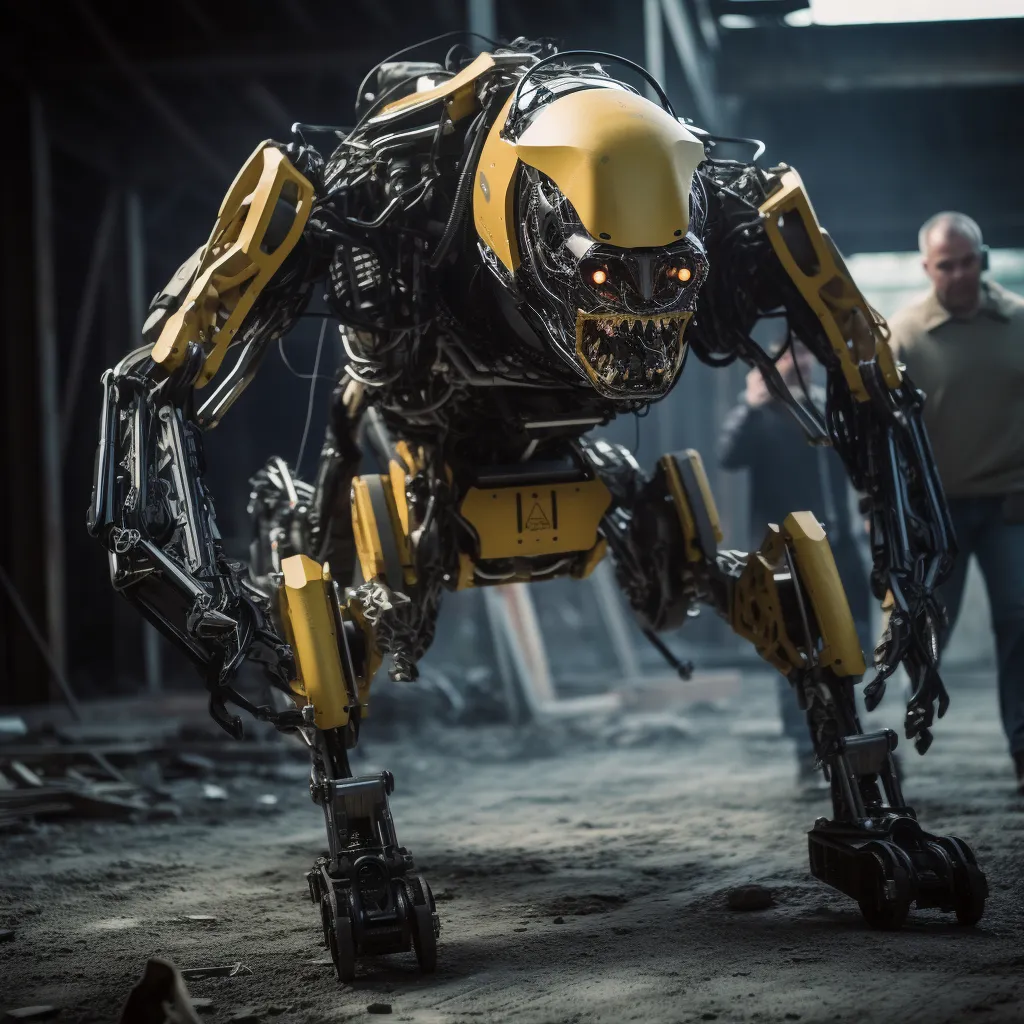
x,y
516,249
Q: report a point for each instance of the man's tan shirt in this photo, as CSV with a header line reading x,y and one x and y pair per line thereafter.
x,y
972,371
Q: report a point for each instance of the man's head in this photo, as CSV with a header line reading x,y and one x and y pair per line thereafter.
x,y
952,254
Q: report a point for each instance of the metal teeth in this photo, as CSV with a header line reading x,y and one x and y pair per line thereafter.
x,y
632,350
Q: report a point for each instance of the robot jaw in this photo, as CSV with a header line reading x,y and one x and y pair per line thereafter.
x,y
629,356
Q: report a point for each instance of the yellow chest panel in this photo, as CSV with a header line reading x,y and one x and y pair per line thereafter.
x,y
523,521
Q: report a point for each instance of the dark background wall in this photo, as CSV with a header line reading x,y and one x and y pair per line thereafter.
x,y
141,116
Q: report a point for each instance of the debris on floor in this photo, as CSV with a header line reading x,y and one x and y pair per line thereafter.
x,y
750,897
223,971
51,781
12,726
245,1015
642,730
130,770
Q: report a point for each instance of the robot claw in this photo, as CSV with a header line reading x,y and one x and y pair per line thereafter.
x,y
370,902
880,855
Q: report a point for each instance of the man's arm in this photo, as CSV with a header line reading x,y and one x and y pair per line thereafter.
x,y
739,445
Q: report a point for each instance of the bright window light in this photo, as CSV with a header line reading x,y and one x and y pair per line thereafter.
x,y
867,12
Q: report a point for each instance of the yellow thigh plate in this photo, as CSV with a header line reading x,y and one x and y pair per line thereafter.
x,y
819,576
308,618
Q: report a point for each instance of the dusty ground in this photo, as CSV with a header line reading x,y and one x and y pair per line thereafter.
x,y
632,847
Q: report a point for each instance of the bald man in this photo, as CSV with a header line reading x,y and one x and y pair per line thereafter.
x,y
963,345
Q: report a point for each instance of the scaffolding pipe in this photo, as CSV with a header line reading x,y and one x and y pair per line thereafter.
x,y
86,316
49,405
654,46
44,649
482,18
135,239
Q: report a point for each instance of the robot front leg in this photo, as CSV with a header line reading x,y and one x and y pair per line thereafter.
x,y
873,849
371,900
788,599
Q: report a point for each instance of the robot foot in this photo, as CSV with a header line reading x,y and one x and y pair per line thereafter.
x,y
371,900
875,851
888,863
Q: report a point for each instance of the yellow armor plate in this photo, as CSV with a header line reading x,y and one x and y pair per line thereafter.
x,y
625,164
819,577
688,516
539,519
309,627
236,263
458,92
592,561
494,196
757,613
380,515
813,262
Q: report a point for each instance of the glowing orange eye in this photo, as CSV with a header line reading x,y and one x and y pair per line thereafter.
x,y
680,273
599,277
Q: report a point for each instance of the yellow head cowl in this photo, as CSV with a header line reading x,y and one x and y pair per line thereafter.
x,y
624,163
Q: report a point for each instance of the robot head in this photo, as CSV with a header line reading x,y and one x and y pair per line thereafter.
x,y
586,216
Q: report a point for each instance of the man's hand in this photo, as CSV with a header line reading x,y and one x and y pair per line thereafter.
x,y
757,393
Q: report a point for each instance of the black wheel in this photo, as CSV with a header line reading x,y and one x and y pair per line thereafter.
x,y
879,910
969,901
424,937
338,930
970,888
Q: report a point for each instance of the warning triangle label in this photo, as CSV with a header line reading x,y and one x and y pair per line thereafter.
x,y
536,520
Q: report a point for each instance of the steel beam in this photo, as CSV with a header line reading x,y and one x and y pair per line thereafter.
x,y
758,63
613,612
44,648
482,18
340,63
49,395
654,45
145,89
86,316
136,252
697,67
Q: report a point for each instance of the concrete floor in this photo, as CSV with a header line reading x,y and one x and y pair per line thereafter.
x,y
580,876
